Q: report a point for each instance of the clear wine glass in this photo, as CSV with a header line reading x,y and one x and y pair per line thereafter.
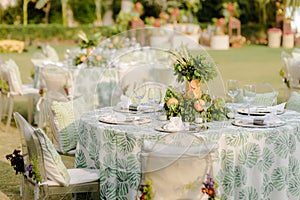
x,y
232,89
154,98
139,93
249,93
207,99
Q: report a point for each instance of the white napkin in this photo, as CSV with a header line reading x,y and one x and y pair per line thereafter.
x,y
145,107
269,109
125,102
280,107
175,124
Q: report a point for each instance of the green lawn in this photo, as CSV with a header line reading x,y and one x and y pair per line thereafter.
x,y
250,64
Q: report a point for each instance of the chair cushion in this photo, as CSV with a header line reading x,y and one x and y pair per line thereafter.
x,y
65,125
266,99
55,169
294,102
83,175
79,176
262,99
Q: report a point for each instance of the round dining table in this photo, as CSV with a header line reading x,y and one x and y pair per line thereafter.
x,y
250,162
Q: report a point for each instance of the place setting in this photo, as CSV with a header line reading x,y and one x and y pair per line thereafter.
x,y
111,117
141,101
175,124
258,116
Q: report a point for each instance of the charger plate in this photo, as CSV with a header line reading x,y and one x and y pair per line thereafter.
x,y
258,112
248,124
126,121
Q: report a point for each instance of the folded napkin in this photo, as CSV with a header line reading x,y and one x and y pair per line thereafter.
x,y
268,109
175,124
125,102
141,107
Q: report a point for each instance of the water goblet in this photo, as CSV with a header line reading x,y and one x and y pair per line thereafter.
x,y
139,94
249,93
232,89
154,98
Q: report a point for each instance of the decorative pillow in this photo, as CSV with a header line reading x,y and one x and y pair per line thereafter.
x,y
65,124
294,102
265,99
55,168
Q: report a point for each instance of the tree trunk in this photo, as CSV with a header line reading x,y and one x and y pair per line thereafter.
x,y
25,13
64,4
98,12
47,11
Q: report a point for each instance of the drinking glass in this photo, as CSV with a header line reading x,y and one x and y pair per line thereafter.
x,y
154,98
232,89
139,93
249,93
207,99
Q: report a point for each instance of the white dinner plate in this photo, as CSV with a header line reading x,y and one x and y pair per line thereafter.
x,y
136,120
257,112
249,124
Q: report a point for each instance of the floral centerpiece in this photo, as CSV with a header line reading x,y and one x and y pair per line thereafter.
x,y
193,70
87,45
17,162
209,187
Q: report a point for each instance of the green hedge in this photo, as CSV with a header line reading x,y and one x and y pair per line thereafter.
x,y
48,32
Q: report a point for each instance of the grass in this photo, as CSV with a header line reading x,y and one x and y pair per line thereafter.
x,y
250,64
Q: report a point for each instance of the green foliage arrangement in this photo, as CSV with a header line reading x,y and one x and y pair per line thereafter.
x,y
190,67
176,105
189,103
33,170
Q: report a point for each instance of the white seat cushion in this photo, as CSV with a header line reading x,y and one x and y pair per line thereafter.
x,y
79,176
82,175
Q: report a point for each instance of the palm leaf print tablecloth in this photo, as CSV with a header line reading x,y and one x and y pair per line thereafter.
x,y
250,163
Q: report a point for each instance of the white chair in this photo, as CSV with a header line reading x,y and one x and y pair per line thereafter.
x,y
10,71
56,78
291,70
61,124
177,165
54,177
266,95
